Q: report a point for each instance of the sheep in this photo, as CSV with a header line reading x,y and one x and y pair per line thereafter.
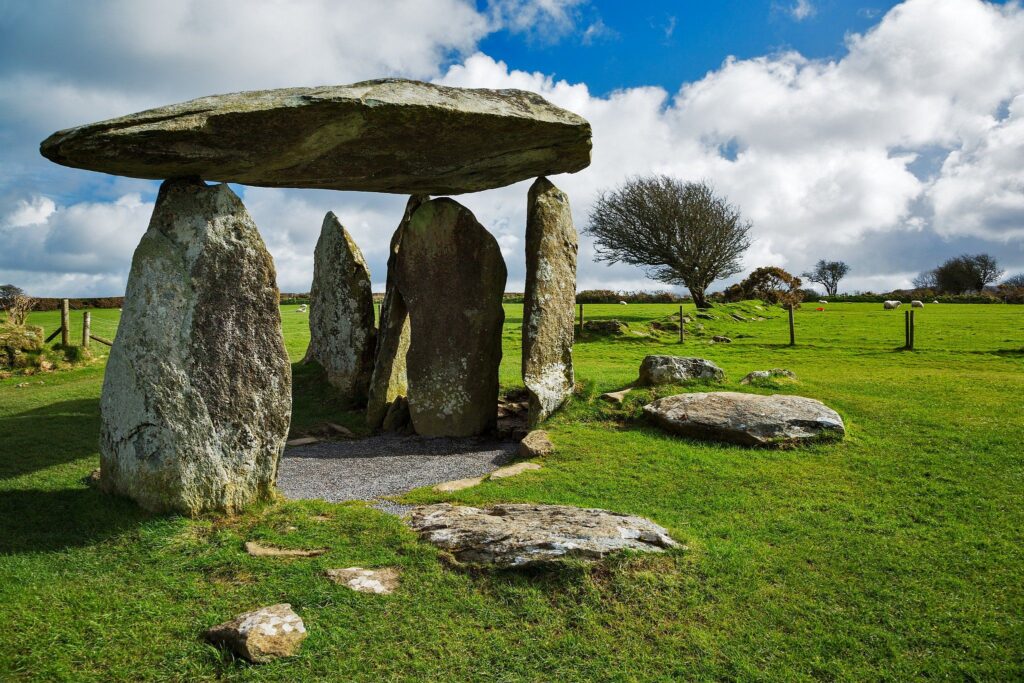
x,y
917,304
822,301
892,305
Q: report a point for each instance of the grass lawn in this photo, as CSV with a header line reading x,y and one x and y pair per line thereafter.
x,y
897,554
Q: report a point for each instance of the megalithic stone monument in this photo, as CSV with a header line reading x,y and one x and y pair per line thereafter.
x,y
550,300
452,278
341,326
197,393
390,379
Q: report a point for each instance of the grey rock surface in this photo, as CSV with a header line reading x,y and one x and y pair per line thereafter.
x,y
520,535
747,419
390,379
389,135
262,635
196,398
767,375
342,335
549,305
452,278
367,469
657,369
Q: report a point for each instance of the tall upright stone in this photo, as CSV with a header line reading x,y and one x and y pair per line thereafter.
x,y
452,277
341,326
549,304
196,398
389,379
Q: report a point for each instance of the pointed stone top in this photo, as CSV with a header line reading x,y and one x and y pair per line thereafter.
x,y
389,135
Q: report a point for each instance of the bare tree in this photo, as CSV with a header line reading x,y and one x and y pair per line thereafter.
x,y
828,274
16,303
926,280
680,233
1014,281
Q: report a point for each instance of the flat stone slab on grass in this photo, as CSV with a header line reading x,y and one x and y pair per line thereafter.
x,y
366,469
524,534
262,635
388,135
660,369
747,419
259,550
377,581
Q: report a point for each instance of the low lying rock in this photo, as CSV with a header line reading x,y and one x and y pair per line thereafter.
x,y
655,370
761,375
747,419
262,635
719,339
513,470
536,444
612,327
302,441
258,550
458,484
377,581
521,535
616,397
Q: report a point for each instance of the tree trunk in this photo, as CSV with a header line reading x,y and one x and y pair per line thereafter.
x,y
698,298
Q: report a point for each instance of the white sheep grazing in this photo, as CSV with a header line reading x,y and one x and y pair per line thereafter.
x,y
822,301
623,303
917,304
892,305
302,308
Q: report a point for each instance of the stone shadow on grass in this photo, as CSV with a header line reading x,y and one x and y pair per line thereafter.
x,y
34,520
50,435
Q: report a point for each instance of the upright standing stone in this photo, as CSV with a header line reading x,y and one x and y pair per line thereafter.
x,y
452,278
389,380
341,329
550,302
197,394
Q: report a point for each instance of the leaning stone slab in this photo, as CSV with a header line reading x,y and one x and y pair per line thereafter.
x,y
389,135
377,581
747,419
263,635
452,278
342,335
390,379
196,398
655,370
549,306
520,535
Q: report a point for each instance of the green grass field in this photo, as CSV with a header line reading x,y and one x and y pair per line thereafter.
x,y
897,554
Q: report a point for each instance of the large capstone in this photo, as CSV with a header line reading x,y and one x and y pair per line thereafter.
x,y
341,326
524,534
550,301
390,380
197,394
452,278
747,419
388,135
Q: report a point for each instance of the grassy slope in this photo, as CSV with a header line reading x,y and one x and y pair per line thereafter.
x,y
894,555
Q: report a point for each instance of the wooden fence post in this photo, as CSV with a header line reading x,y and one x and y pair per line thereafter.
x,y
682,334
792,327
65,327
911,341
581,320
906,330
85,328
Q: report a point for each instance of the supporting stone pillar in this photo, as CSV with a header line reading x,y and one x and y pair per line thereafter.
x,y
196,398
549,304
341,327
452,278
389,380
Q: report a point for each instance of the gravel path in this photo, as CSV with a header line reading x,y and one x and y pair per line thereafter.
x,y
367,469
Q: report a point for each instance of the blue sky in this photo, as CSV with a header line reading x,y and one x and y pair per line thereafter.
x,y
886,134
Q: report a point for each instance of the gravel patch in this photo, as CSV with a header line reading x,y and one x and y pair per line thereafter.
x,y
387,465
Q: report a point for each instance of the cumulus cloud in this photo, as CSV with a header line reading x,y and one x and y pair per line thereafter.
x,y
892,157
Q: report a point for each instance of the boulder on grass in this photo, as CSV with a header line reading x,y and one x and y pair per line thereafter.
x,y
262,635
656,369
747,419
521,535
766,375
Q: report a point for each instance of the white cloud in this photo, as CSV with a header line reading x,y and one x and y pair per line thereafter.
x,y
546,20
802,9
825,157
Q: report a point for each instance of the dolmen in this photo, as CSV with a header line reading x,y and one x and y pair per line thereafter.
x,y
196,399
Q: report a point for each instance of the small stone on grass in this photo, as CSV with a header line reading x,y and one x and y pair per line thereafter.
x,y
536,444
262,635
378,581
257,550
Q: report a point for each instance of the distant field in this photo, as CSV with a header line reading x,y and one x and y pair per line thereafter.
x,y
897,554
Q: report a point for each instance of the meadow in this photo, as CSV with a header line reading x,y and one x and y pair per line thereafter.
x,y
897,554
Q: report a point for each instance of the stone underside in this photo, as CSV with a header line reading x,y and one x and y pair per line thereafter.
x,y
451,276
196,398
390,380
389,135
341,316
550,300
